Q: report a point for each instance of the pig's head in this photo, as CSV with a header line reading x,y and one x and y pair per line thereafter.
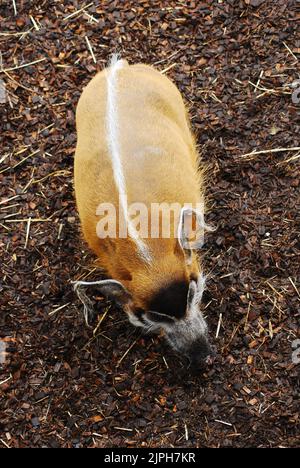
x,y
165,294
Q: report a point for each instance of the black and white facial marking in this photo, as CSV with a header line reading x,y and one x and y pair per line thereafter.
x,y
177,313
184,326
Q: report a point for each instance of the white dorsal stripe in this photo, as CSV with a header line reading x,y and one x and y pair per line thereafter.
x,y
113,140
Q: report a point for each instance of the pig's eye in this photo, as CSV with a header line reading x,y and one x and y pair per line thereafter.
x,y
137,317
139,313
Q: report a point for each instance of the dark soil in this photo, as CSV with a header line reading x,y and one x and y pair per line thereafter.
x,y
62,385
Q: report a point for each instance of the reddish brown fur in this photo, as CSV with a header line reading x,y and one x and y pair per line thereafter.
x,y
152,114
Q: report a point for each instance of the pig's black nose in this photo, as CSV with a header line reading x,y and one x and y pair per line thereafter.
x,y
198,363
201,356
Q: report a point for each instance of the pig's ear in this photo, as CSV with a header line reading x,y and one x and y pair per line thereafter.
x,y
191,228
112,289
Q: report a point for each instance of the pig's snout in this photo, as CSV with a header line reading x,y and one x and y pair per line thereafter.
x,y
201,354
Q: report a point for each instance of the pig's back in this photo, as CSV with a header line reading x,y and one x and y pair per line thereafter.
x,y
156,151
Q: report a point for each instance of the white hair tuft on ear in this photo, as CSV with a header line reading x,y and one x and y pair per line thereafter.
x,y
184,242
88,309
110,288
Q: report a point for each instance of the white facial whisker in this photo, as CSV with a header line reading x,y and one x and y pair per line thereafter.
x,y
200,288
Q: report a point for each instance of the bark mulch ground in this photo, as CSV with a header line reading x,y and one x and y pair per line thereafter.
x,y
63,385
